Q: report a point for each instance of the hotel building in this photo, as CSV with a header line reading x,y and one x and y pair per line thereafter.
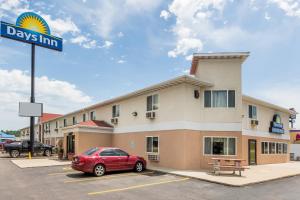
x,y
183,122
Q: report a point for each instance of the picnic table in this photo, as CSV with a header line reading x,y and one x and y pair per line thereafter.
x,y
228,164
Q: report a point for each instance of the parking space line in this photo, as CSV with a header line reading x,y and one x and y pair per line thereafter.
x,y
137,186
106,177
65,172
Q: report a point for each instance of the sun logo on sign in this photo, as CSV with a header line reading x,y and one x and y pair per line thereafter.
x,y
34,22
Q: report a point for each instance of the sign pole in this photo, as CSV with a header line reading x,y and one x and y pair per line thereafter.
x,y
32,98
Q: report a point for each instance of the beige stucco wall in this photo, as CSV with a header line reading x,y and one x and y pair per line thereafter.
x,y
225,74
178,149
264,158
264,117
87,140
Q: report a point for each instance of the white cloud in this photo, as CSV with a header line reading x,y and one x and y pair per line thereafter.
x,y
120,34
107,15
14,6
193,23
121,61
283,94
290,7
164,14
184,45
60,26
107,44
57,96
84,41
267,16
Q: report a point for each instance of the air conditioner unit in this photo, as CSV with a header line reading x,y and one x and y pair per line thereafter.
x,y
153,157
254,122
150,115
114,120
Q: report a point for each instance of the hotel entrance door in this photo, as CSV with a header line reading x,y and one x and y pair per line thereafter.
x,y
252,152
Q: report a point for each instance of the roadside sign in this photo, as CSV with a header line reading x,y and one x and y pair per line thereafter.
x,y
33,29
27,109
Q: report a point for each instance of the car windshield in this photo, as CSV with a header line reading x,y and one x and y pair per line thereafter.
x,y
91,151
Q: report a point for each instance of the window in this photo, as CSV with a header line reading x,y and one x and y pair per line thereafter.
x,y
84,117
56,124
91,151
231,98
119,152
152,144
65,122
252,112
264,147
74,120
92,115
108,152
152,102
219,98
116,111
284,148
207,98
272,148
279,148
219,146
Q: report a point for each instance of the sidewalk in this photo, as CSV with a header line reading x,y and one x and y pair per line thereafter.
x,y
44,162
256,174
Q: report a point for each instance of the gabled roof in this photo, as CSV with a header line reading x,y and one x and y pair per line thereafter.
x,y
95,123
175,81
220,55
48,116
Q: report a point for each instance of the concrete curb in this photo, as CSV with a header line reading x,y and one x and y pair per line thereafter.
x,y
226,184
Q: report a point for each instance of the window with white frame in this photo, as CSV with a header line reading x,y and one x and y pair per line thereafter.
x,y
219,145
285,146
152,102
219,98
83,117
92,115
56,124
152,144
252,112
116,111
65,122
74,120
265,147
279,149
274,148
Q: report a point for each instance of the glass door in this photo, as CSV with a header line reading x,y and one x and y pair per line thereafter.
x,y
252,151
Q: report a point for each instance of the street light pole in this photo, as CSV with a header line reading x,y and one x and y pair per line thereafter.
x,y
32,98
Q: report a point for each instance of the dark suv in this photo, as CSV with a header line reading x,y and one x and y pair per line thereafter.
x,y
15,149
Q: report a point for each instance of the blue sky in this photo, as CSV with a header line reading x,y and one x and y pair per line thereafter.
x,y
114,47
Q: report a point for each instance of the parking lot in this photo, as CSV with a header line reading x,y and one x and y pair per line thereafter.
x,y
61,182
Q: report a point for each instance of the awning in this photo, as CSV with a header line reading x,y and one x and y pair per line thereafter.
x,y
7,136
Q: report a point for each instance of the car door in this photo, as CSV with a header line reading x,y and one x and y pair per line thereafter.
x,y
124,159
111,159
38,147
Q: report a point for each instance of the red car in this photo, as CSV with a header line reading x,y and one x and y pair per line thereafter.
x,y
99,160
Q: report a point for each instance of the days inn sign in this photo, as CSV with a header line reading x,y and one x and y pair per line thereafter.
x,y
31,28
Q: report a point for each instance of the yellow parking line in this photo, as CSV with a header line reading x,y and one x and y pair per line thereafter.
x,y
137,186
106,177
60,173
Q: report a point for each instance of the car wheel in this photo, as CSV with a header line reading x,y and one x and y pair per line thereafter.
x,y
139,167
47,152
14,153
99,170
